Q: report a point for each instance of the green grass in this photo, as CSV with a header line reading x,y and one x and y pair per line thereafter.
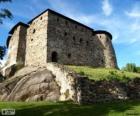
x,y
71,109
103,73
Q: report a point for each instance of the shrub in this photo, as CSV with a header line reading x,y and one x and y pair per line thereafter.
x,y
130,67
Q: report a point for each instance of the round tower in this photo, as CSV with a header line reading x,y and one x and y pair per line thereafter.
x,y
109,52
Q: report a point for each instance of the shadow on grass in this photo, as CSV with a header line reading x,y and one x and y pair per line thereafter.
x,y
70,109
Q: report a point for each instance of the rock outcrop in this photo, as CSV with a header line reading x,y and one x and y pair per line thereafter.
x,y
30,84
55,82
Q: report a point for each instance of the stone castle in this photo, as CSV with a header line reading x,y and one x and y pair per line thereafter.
x,y
53,37
42,46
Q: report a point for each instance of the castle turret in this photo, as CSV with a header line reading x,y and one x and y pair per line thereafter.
x,y
109,52
16,44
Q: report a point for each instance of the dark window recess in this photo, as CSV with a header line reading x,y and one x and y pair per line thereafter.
x,y
69,55
40,18
65,34
54,57
102,61
81,40
73,38
100,36
75,26
93,33
57,19
66,22
87,43
34,31
31,39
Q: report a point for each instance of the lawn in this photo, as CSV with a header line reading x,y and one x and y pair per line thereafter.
x,y
103,73
70,109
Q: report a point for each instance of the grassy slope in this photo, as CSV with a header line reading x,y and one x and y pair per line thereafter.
x,y
102,73
70,109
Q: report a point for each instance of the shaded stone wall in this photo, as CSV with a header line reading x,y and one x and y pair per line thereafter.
x,y
109,52
72,43
22,45
17,46
36,46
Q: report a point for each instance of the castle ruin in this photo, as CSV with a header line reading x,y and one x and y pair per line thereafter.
x,y
53,37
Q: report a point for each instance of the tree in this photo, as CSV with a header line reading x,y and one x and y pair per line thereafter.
x,y
4,12
2,52
131,67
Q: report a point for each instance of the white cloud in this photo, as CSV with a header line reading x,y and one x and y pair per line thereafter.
x,y
134,12
106,7
135,26
122,32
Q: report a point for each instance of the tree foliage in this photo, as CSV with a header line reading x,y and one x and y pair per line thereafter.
x,y
130,67
2,52
4,12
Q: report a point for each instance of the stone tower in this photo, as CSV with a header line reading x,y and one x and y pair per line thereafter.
x,y
109,52
16,44
53,37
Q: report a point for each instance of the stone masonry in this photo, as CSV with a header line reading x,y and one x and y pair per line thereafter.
x,y
52,37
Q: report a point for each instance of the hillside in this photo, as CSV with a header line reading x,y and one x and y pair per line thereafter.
x,y
104,73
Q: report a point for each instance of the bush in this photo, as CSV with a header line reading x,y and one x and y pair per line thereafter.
x,y
130,67
138,69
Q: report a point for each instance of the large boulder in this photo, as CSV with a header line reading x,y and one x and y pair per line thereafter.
x,y
30,84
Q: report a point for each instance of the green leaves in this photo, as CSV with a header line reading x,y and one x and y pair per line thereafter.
x,y
2,51
5,13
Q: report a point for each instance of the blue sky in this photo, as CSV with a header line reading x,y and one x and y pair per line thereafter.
x,y
119,17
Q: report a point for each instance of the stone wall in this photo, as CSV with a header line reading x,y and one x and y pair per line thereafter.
x,y
13,47
36,46
16,48
66,79
72,43
22,45
108,49
52,37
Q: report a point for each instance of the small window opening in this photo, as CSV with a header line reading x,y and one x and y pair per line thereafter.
x,y
54,56
65,34
87,43
66,22
102,61
73,38
93,33
81,40
34,31
57,19
40,18
31,39
69,55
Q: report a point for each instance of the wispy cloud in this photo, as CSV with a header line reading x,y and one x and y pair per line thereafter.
x,y
119,28
135,26
106,7
134,12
